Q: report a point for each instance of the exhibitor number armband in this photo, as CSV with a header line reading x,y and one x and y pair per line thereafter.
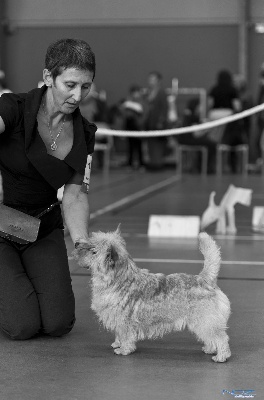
x,y
87,174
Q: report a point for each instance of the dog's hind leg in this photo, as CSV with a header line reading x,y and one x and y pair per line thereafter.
x,y
222,347
217,343
215,339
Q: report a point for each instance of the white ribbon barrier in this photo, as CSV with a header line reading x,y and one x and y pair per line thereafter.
x,y
179,131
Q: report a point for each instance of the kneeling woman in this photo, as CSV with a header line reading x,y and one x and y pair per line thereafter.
x,y
45,144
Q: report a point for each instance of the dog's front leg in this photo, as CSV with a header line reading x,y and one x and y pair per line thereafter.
x,y
126,343
116,343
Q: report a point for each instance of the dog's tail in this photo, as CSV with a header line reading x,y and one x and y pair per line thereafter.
x,y
212,258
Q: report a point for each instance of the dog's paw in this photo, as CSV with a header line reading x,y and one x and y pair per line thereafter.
x,y
208,350
221,358
116,344
123,351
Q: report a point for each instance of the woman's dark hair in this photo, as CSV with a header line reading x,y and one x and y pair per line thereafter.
x,y
69,53
157,74
224,79
134,88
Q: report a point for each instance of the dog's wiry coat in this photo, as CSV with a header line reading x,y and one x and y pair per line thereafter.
x,y
137,304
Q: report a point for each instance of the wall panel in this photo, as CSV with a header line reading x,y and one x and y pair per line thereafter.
x,y
125,55
257,10
61,12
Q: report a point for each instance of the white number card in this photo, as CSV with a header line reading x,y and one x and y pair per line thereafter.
x,y
173,226
87,174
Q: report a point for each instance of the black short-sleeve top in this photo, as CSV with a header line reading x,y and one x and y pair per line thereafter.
x,y
31,177
223,98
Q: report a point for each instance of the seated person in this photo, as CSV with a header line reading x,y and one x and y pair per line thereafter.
x,y
133,112
199,138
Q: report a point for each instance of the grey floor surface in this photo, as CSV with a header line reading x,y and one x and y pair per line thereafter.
x,y
82,365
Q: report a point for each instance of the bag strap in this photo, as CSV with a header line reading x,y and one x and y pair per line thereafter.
x,y
48,209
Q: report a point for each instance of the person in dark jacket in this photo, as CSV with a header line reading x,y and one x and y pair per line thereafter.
x,y
224,96
260,118
156,119
133,111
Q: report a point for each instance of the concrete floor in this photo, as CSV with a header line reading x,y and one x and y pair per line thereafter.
x,y
82,365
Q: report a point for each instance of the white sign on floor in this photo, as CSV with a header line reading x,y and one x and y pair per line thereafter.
x,y
173,226
258,219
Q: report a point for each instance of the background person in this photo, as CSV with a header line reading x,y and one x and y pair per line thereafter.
x,y
94,108
156,119
224,99
260,118
246,101
3,85
133,111
191,116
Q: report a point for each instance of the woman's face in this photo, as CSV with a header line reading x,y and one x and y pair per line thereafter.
x,y
153,81
70,88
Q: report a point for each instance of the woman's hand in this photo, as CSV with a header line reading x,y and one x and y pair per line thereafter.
x,y
76,212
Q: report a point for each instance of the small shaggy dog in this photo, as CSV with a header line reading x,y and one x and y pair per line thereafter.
x,y
137,304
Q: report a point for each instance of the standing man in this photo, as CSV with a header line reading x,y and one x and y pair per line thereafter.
x,y
156,119
260,116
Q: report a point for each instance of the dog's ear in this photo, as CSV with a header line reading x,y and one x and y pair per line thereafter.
x,y
118,230
113,254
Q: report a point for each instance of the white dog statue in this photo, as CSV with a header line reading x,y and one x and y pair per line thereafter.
x,y
224,213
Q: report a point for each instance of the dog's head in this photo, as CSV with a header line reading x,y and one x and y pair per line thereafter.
x,y
103,253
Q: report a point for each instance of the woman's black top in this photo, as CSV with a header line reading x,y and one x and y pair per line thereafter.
x,y
31,176
223,97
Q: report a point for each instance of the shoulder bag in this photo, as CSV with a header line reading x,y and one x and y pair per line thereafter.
x,y
18,226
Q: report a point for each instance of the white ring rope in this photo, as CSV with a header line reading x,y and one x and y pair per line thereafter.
x,y
179,131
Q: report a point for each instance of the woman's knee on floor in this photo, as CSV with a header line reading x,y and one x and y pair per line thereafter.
x,y
59,327
22,329
58,313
